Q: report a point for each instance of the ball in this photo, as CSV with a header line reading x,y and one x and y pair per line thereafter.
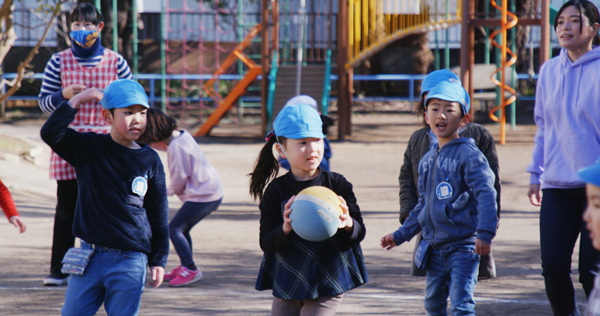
x,y
316,213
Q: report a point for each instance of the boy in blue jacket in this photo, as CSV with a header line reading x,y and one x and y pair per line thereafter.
x,y
456,212
122,211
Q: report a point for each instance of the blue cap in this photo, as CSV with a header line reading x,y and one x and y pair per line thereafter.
x,y
123,93
298,121
436,77
591,174
451,91
303,99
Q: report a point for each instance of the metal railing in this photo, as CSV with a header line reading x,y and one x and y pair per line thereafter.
x,y
154,96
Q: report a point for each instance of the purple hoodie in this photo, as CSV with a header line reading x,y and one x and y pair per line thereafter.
x,y
567,113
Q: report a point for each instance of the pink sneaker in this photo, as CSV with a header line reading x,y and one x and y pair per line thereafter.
x,y
172,275
185,276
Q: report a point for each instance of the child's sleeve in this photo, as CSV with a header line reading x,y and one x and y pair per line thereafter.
x,y
65,141
536,167
358,230
6,202
157,210
408,192
51,91
411,226
480,179
488,148
272,238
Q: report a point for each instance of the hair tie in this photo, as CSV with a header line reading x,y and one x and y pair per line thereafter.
x,y
269,135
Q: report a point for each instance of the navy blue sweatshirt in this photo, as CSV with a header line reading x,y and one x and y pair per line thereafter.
x,y
108,213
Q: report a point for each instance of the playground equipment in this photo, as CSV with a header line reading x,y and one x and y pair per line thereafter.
x,y
223,105
472,20
504,26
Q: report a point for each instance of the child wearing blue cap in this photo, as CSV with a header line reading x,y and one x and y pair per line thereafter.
x,y
87,64
456,212
419,144
327,122
336,264
591,176
122,219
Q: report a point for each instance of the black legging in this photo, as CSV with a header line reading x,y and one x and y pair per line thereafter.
x,y
62,239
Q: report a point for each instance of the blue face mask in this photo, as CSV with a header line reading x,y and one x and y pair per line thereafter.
x,y
84,38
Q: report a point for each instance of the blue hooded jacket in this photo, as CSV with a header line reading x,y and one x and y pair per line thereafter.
x,y
457,201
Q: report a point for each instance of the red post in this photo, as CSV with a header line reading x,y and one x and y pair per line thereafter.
x,y
264,61
467,49
545,33
344,77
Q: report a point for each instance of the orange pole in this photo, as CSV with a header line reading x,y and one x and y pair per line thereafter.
x,y
504,26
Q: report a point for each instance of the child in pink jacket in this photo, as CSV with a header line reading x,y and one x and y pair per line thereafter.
x,y
193,180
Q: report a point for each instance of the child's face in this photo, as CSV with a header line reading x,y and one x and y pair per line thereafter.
x,y
592,214
129,123
444,118
304,155
88,26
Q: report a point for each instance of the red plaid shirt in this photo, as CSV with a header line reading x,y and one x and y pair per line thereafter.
x,y
89,117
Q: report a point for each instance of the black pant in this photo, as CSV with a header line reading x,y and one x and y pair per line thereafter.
x,y
560,224
62,239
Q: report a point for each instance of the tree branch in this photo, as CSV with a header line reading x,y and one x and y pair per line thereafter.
x,y
16,83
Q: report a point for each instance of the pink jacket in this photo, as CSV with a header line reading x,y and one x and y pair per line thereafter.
x,y
193,179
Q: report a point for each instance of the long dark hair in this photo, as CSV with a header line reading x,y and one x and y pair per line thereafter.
x,y
85,12
265,168
419,108
159,127
586,8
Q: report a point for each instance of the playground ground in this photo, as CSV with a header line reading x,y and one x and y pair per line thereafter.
x,y
226,243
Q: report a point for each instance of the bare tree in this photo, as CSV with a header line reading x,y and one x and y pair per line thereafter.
x,y
8,38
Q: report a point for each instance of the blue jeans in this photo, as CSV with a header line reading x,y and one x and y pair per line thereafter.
x,y
451,271
179,228
113,276
560,224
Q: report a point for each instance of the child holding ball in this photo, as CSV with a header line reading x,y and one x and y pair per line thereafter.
x,y
307,278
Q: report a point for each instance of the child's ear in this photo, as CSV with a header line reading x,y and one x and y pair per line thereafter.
x,y
100,26
465,120
107,116
280,151
426,117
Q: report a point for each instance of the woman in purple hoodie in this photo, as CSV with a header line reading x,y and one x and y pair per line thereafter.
x,y
568,139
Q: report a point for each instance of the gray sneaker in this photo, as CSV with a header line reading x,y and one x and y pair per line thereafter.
x,y
56,280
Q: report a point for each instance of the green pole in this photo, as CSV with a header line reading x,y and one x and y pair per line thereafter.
x,y
436,53
134,42
326,85
486,56
513,47
98,5
115,30
447,48
163,59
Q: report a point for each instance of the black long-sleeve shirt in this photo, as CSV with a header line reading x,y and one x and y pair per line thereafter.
x,y
299,269
108,212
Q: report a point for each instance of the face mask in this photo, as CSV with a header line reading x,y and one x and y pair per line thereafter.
x,y
84,38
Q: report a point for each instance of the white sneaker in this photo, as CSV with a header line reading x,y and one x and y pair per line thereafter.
x,y
56,280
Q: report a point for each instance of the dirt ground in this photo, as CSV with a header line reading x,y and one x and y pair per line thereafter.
x,y
226,243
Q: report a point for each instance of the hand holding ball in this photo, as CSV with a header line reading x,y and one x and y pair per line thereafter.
x,y
316,213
